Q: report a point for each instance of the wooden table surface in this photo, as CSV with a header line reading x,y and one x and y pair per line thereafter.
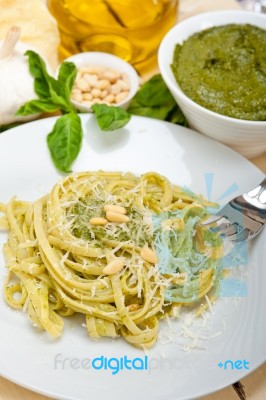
x,y
253,387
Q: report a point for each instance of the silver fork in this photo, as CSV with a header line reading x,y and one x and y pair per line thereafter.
x,y
243,217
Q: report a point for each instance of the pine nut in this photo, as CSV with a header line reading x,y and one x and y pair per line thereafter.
x,y
110,76
117,209
148,255
91,79
96,93
115,89
103,94
98,221
88,70
116,217
114,266
87,96
102,84
133,307
94,70
124,84
110,98
76,91
120,97
83,85
83,70
79,75
78,98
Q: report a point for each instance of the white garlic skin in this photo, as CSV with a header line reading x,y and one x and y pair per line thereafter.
x,y
16,85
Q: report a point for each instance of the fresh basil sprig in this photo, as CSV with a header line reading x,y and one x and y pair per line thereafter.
x,y
65,140
154,100
53,93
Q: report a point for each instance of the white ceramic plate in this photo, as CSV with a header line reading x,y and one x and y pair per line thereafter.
x,y
28,356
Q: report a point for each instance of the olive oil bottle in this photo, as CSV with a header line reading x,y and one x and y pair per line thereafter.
x,y
130,29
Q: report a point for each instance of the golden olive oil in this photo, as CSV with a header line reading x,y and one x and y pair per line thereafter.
x,y
130,29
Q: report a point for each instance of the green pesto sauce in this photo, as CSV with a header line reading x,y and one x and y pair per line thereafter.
x,y
90,208
224,69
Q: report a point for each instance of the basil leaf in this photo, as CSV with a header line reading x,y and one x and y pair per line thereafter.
x,y
110,118
36,106
146,111
154,100
45,86
57,97
65,140
177,117
66,77
39,73
154,93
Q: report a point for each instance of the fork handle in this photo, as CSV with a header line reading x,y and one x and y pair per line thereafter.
x,y
259,193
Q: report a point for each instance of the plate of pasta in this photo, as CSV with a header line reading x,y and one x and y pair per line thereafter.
x,y
110,285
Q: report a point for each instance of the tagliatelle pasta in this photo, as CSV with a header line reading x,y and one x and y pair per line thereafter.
x,y
120,249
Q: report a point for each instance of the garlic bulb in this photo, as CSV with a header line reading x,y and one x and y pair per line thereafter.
x,y
16,82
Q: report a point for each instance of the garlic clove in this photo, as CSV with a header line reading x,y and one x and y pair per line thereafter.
x,y
10,42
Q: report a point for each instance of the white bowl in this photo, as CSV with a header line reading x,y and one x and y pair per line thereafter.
x,y
100,59
246,137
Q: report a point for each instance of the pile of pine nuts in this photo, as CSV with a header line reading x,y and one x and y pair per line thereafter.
x,y
100,85
113,214
117,214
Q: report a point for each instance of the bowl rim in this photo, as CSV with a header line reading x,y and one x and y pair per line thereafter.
x,y
128,69
176,88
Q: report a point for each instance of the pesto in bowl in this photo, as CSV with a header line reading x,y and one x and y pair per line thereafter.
x,y
224,70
